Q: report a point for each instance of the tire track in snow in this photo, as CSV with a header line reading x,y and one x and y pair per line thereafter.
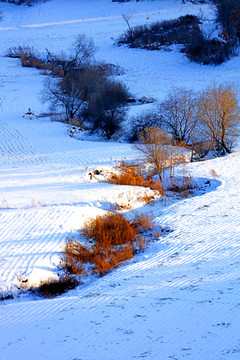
x,y
28,235
15,149
87,20
87,153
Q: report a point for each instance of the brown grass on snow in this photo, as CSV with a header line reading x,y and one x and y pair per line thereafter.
x,y
113,240
131,175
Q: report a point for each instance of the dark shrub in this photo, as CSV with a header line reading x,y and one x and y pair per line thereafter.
x,y
52,287
139,123
185,31
6,296
210,51
89,98
106,108
226,14
156,35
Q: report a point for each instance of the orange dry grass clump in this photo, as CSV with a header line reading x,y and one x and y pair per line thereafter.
x,y
110,229
143,222
114,239
131,175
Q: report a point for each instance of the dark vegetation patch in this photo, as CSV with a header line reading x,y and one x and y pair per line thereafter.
x,y
184,187
158,34
55,287
24,2
210,51
6,296
83,92
184,31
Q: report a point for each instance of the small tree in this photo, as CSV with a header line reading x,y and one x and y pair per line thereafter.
x,y
73,92
153,146
219,115
89,97
68,94
81,54
106,109
177,115
140,122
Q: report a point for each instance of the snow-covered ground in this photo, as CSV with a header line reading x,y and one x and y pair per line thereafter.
x,y
180,299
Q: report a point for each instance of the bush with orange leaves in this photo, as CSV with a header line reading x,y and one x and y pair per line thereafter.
x,y
113,239
131,175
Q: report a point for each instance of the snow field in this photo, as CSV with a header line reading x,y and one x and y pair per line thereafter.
x,y
179,299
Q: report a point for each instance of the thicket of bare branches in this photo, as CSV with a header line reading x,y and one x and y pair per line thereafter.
x,y
205,122
177,114
219,115
80,55
146,119
153,145
84,91
228,14
68,94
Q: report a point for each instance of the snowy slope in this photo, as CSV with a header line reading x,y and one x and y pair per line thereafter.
x,y
177,300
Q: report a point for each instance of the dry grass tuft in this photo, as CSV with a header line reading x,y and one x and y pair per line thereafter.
x,y
143,223
110,229
184,188
213,173
146,198
113,240
131,175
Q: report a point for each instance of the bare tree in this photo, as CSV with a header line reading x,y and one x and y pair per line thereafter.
x,y
177,115
81,54
83,49
88,97
153,146
219,115
106,110
69,94
127,17
139,122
